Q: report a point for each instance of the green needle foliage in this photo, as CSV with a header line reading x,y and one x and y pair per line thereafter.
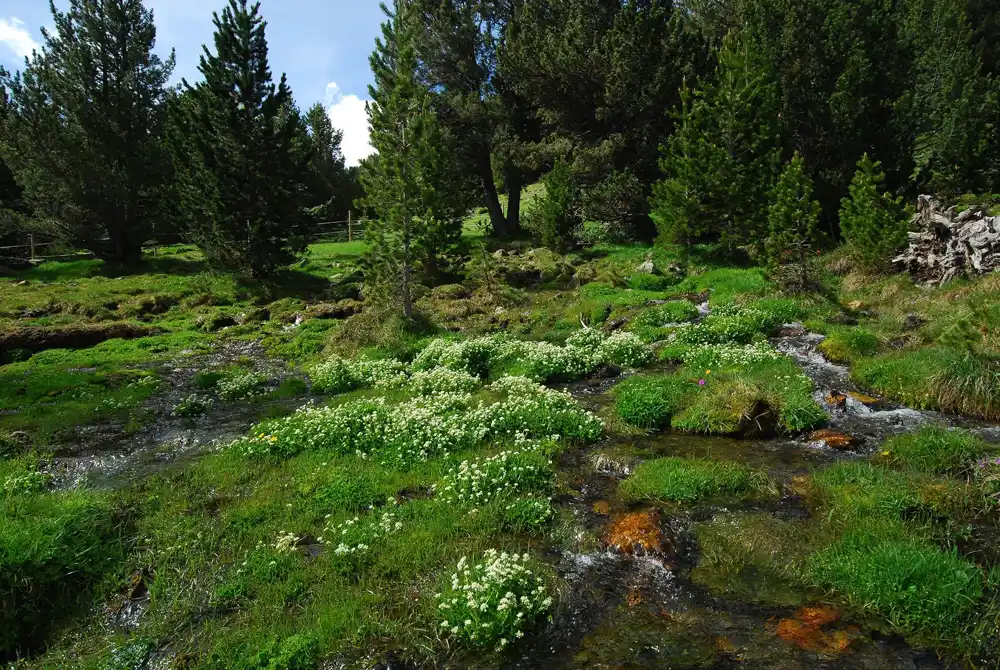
x,y
554,218
722,161
871,220
793,218
84,136
410,184
240,166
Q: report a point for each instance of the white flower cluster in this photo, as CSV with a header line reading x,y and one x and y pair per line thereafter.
x,y
241,385
424,427
624,350
286,542
192,405
338,375
715,355
29,482
443,380
508,474
361,534
493,603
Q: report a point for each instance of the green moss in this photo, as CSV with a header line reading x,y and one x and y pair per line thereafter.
x,y
936,449
649,401
648,282
688,480
752,557
844,344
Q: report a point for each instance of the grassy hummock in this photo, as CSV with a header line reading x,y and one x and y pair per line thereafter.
x,y
687,480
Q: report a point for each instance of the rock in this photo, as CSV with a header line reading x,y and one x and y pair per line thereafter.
x,y
216,322
866,400
913,322
636,533
615,324
806,630
499,253
602,507
833,439
254,315
836,399
646,268
946,246
23,282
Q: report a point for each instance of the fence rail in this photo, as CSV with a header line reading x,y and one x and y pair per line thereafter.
x,y
348,230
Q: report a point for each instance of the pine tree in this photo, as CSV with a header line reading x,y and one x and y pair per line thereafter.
x,y
328,191
792,221
240,163
871,220
554,217
409,185
723,158
87,117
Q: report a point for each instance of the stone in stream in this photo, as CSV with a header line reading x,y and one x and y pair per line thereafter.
x,y
806,630
866,400
833,439
636,533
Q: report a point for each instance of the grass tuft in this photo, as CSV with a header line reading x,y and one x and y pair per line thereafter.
x,y
688,480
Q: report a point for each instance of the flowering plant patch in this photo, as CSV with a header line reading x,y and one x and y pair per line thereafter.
x,y
494,602
443,380
338,375
508,474
191,406
356,539
241,384
710,356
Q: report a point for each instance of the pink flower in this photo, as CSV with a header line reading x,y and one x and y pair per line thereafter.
x,y
701,382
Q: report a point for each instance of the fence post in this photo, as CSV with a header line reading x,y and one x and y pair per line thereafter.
x,y
350,233
31,241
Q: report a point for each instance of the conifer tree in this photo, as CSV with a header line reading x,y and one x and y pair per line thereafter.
x,y
554,217
240,165
723,159
792,221
327,185
410,185
871,220
84,136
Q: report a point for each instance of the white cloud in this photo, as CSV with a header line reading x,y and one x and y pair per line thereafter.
x,y
16,37
348,113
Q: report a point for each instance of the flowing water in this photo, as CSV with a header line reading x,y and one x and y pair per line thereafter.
x,y
630,611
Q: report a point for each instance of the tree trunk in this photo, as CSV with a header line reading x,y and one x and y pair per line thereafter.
x,y
484,166
513,180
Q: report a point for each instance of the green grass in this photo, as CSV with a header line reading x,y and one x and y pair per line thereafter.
x,y
915,586
844,344
687,480
649,401
937,377
53,548
725,284
853,491
936,449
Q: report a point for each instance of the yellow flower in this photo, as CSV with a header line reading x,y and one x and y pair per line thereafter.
x,y
885,453
708,372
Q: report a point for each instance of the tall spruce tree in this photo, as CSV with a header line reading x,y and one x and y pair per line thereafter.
x,y
240,165
10,190
723,160
410,185
85,132
792,221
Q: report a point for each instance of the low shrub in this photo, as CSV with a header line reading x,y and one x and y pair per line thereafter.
x,y
649,401
492,602
688,480
936,449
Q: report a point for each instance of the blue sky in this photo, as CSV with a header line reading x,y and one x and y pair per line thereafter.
x,y
322,45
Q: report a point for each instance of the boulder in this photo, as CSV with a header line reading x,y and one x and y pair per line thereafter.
x,y
946,245
647,267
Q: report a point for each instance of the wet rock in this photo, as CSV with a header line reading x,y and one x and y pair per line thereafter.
x,y
806,631
35,339
636,533
615,324
833,439
602,507
913,322
836,399
866,400
138,588
616,466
